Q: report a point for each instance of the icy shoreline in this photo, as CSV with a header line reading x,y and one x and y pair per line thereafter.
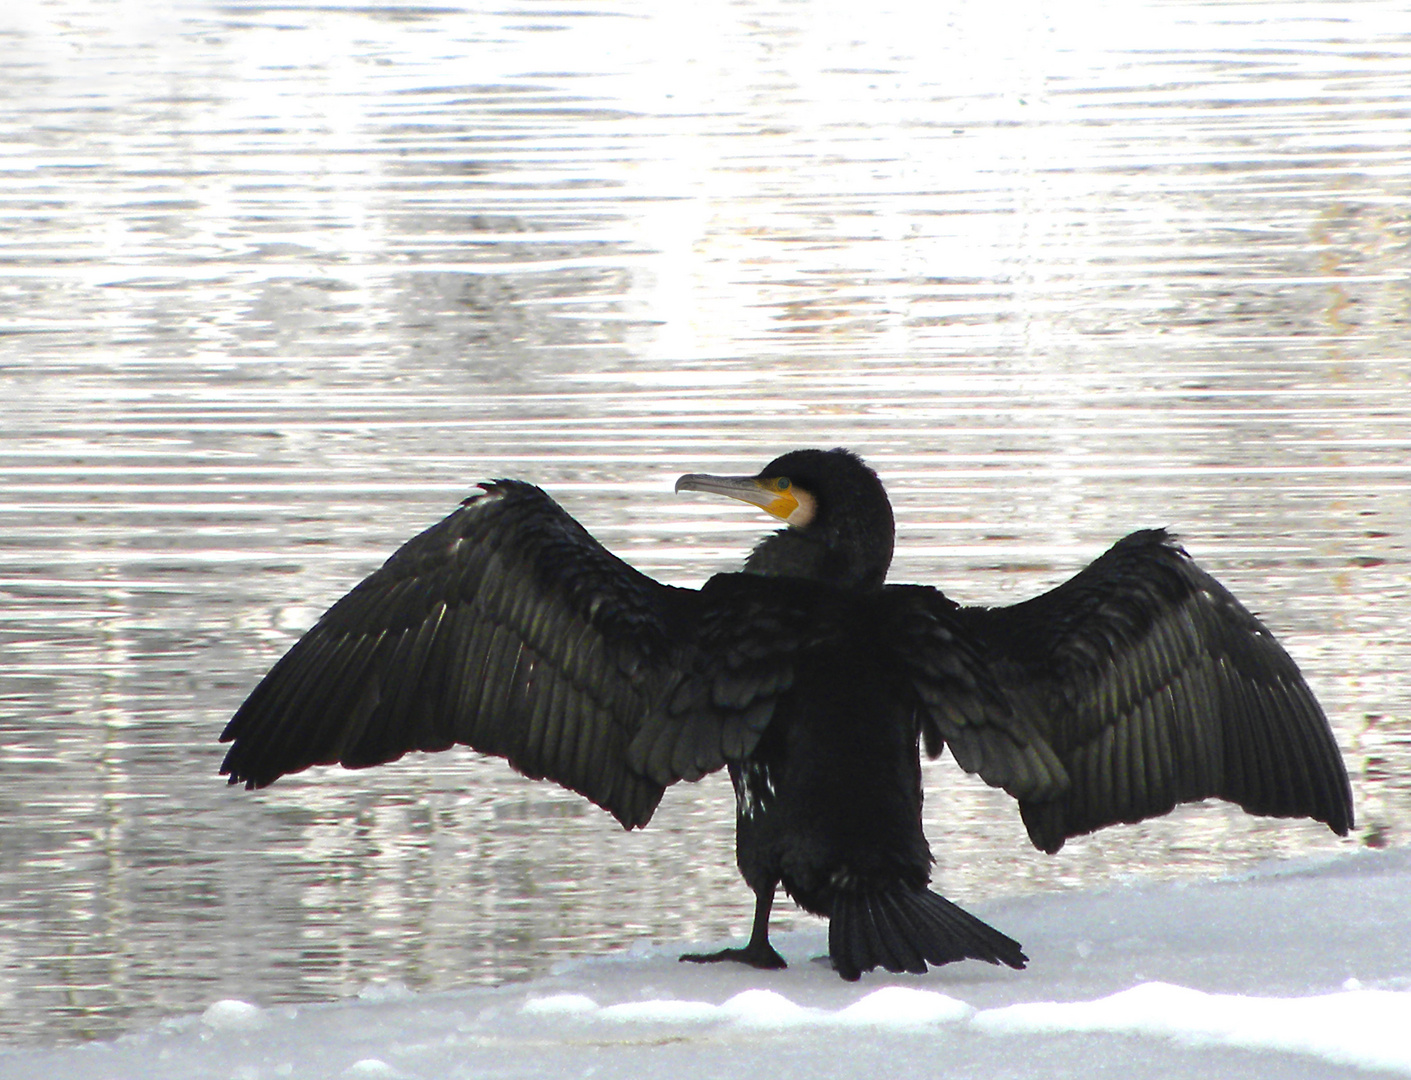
x,y
1295,970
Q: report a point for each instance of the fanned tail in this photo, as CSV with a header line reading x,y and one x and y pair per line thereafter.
x,y
904,929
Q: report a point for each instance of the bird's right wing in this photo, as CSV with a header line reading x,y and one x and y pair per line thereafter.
x,y
1155,686
507,628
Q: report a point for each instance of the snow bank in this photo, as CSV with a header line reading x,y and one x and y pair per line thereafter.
x,y
891,1006
1370,1029
1301,970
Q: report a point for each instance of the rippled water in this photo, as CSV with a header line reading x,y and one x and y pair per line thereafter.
x,y
280,282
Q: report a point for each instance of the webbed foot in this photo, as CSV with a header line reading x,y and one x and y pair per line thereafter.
x,y
766,957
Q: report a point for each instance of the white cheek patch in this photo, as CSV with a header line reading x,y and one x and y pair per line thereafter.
x,y
805,511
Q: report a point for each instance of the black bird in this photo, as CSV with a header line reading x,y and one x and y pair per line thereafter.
x,y
1139,684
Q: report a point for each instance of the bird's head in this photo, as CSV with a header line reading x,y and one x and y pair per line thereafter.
x,y
840,520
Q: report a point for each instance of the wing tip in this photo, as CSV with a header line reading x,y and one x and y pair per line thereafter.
x,y
238,773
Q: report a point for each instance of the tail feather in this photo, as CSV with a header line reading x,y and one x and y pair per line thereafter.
x,y
890,946
903,929
905,951
868,936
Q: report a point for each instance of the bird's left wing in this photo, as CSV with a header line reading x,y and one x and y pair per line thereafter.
x,y
506,627
1155,686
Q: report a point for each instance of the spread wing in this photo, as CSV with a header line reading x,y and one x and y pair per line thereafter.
x,y
505,627
1154,686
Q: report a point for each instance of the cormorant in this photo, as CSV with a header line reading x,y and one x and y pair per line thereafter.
x,y
1139,684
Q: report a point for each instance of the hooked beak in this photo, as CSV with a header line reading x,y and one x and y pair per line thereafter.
x,y
757,491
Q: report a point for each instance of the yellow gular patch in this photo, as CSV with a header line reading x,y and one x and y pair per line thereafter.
x,y
791,503
784,504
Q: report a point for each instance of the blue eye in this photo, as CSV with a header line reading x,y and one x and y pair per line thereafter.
x,y
782,484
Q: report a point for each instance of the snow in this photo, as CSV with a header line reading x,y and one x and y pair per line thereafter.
x,y
1296,970
1365,1028
233,1016
901,1006
891,1006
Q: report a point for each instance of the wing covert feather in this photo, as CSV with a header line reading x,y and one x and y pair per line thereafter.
x,y
960,702
750,633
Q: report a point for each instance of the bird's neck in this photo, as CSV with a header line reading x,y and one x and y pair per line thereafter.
x,y
830,559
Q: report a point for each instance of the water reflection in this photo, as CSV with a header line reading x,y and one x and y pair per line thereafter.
x,y
278,284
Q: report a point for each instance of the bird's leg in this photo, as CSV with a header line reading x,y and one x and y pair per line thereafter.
x,y
758,953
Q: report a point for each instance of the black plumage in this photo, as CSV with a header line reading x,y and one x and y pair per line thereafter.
x,y
1139,684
